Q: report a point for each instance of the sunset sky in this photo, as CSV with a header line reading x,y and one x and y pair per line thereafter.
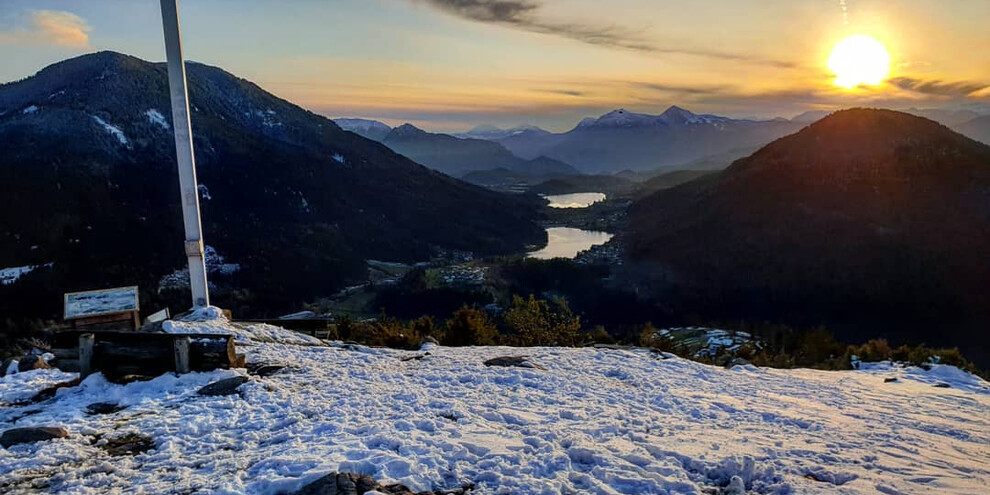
x,y
452,64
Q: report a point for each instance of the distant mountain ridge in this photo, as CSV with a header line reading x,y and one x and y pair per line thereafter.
x,y
371,129
873,222
623,140
492,133
87,173
459,156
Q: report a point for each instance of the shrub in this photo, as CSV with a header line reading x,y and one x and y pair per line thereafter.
x,y
817,346
469,326
599,335
872,351
534,321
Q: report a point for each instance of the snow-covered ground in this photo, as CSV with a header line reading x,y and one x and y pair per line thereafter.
x,y
12,274
595,421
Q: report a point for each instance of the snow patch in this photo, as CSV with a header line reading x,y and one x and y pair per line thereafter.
x,y
156,118
204,192
10,275
112,130
29,110
339,158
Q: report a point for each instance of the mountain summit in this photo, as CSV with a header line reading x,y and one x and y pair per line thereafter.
x,y
87,159
875,218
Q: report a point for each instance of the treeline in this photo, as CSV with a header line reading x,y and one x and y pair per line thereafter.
x,y
526,322
531,321
780,346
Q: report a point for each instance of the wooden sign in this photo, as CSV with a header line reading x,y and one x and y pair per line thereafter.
x,y
102,306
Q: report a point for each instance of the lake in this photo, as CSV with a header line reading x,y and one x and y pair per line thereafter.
x,y
575,200
567,242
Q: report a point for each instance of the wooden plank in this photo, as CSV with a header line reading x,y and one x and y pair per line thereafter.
x,y
86,341
181,347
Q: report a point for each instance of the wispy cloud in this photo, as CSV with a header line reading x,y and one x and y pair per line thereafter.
x,y
680,89
524,15
53,27
939,87
562,92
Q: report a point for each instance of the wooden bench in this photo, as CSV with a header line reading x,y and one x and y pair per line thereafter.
x,y
117,354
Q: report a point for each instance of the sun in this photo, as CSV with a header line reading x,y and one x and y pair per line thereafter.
x,y
859,60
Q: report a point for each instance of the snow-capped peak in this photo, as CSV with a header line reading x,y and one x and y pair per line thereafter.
x,y
621,118
676,115
361,125
491,132
671,117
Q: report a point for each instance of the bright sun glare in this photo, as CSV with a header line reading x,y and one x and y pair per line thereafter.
x,y
859,60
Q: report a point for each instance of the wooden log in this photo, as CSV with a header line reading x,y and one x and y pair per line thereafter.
x,y
118,353
181,348
86,342
212,353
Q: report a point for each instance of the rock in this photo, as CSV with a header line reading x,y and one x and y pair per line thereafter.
x,y
359,484
517,361
265,370
736,486
428,343
103,408
339,484
31,362
226,386
416,357
6,366
130,444
737,362
17,436
942,385
890,379
49,392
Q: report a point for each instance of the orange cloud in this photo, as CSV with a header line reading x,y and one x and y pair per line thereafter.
x,y
55,27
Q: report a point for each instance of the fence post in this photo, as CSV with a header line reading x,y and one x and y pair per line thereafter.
x,y
181,348
86,341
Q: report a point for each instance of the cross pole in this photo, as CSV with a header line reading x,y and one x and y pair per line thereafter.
x,y
184,154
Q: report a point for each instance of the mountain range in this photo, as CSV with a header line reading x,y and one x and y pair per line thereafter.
x,y
454,156
635,145
617,141
873,222
622,140
88,177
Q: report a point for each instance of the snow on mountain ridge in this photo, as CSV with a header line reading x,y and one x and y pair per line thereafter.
x,y
354,124
671,117
494,133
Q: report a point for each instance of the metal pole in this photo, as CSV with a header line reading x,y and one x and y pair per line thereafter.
x,y
184,154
